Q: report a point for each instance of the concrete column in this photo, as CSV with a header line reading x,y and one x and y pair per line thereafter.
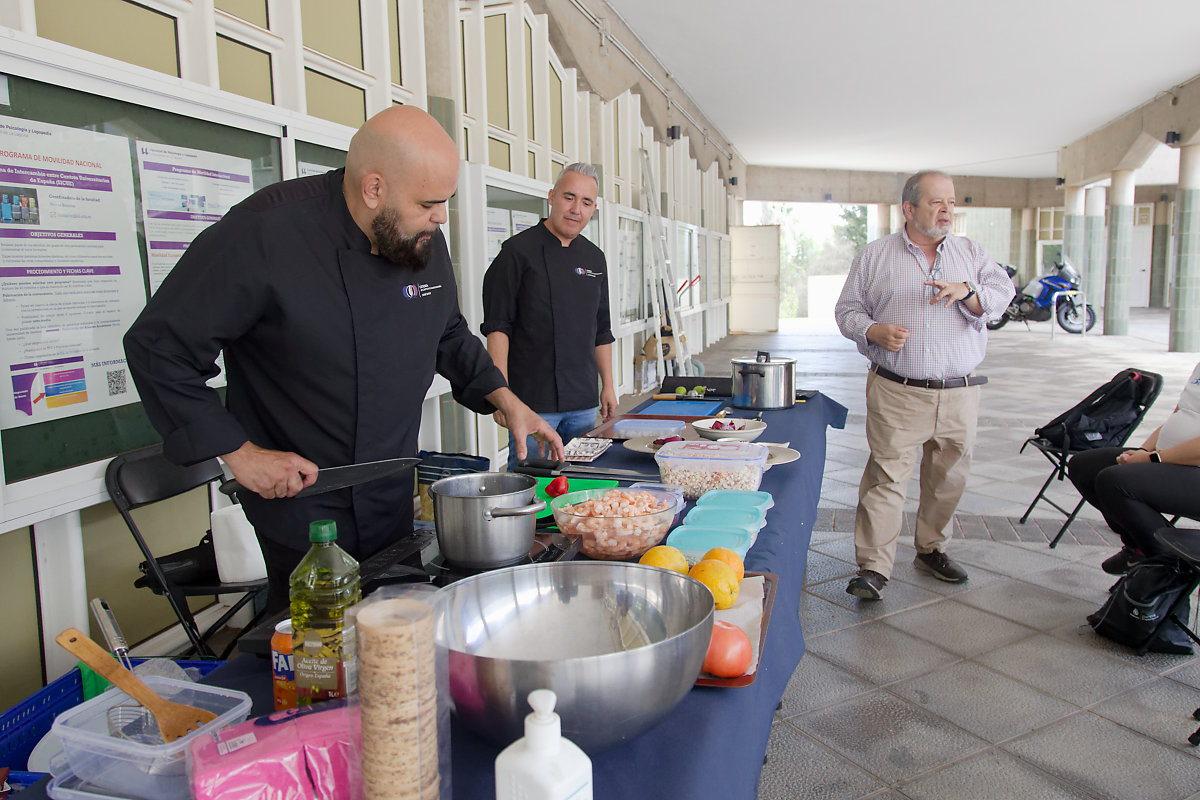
x,y
1074,247
1092,268
1120,253
1160,254
1185,302
897,217
1028,263
883,221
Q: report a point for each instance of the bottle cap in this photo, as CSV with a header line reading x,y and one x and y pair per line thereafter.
x,y
322,530
543,728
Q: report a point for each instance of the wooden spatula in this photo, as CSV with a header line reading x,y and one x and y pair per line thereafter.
x,y
174,719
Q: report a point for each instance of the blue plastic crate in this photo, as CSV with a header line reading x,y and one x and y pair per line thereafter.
x,y
24,725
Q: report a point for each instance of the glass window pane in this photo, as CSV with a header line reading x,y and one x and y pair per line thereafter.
x,y
244,70
253,11
556,111
334,29
499,154
495,45
532,131
334,100
394,43
114,28
532,164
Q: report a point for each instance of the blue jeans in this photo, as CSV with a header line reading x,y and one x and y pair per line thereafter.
x,y
569,424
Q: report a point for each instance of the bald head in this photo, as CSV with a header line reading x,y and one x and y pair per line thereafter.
x,y
401,169
397,140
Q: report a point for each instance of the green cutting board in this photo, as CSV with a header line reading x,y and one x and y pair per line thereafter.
x,y
574,485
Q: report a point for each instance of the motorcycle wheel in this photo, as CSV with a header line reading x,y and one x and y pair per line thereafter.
x,y
1070,318
997,324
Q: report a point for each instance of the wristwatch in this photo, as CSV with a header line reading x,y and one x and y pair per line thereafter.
x,y
972,290
1155,458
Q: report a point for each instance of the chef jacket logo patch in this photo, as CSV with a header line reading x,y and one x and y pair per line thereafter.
x,y
580,271
414,290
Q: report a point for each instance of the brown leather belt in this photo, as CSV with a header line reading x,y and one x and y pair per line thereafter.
x,y
931,383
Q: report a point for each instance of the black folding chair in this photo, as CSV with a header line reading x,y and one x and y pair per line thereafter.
x,y
1186,545
1058,455
143,477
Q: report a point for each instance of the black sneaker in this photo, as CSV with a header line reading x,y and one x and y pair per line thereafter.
x,y
939,565
1119,563
868,585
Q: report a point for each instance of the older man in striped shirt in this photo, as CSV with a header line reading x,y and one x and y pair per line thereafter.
x,y
915,303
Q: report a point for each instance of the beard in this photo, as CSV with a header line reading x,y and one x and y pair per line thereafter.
x,y
405,251
932,233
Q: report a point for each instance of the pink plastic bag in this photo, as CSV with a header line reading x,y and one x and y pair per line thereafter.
x,y
298,754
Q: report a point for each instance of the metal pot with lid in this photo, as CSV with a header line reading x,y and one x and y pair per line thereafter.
x,y
764,383
485,519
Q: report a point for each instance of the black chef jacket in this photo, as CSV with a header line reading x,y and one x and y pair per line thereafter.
x,y
552,302
329,351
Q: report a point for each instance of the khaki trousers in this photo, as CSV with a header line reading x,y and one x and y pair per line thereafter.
x,y
904,422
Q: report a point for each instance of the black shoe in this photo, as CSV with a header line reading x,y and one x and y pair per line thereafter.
x,y
939,565
868,585
1121,561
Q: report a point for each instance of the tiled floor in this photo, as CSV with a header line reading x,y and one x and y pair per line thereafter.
x,y
995,688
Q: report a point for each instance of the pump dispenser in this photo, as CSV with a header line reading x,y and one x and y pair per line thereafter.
x,y
543,765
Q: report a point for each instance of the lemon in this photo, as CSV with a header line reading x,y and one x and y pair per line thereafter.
x,y
666,557
729,557
720,579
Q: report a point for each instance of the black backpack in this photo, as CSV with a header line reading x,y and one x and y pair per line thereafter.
x,y
1152,589
1104,418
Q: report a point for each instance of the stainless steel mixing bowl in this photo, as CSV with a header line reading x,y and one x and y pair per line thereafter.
x,y
620,644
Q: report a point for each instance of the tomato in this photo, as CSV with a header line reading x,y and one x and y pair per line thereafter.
x,y
558,486
728,651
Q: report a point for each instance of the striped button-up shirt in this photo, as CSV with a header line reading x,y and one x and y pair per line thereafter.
x,y
886,285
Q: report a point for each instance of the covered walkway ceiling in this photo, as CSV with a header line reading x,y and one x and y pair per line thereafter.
x,y
975,87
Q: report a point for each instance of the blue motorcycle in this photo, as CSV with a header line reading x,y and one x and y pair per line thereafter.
x,y
1035,302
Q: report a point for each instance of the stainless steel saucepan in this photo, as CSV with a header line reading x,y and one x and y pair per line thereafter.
x,y
485,519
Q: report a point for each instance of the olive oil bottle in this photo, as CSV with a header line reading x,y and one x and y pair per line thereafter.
x,y
322,587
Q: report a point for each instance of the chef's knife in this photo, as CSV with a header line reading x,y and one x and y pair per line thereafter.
x,y
332,478
549,468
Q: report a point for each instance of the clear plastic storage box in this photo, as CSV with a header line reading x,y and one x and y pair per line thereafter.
x,y
703,466
99,749
658,428
749,520
694,541
739,499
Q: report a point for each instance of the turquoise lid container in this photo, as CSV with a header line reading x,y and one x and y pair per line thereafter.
x,y
694,541
738,498
718,516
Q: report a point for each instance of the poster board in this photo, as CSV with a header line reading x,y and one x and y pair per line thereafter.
x,y
109,421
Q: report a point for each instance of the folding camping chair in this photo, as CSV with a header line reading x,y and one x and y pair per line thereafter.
x,y
1058,453
143,477
1185,544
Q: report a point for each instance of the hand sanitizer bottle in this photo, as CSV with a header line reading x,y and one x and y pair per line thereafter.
x,y
543,765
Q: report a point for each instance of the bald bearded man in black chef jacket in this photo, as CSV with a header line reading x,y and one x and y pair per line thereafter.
x,y
545,307
334,302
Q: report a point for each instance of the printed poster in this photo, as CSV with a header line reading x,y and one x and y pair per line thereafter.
x,y
305,169
183,192
70,272
523,221
499,229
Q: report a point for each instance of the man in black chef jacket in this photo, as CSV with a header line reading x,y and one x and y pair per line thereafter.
x,y
334,302
545,307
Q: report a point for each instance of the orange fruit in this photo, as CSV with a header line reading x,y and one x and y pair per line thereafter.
x,y
729,557
666,557
720,579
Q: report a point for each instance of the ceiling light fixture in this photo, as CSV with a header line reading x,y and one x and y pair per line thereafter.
x,y
1172,137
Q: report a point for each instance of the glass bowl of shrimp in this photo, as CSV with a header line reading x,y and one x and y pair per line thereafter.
x,y
615,524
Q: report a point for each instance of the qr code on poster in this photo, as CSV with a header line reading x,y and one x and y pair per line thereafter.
x,y
117,382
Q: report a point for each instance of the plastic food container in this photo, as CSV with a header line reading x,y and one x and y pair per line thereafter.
x,y
736,499
700,467
614,538
658,428
694,541
661,487
749,520
132,768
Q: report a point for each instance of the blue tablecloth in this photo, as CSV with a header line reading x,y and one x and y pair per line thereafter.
x,y
713,743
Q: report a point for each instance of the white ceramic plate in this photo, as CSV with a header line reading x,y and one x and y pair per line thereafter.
x,y
642,444
777,454
750,429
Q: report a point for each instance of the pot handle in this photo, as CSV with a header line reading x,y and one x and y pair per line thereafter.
x,y
518,511
763,357
753,371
